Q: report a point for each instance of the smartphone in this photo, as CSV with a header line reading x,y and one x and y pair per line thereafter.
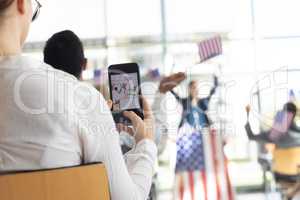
x,y
125,91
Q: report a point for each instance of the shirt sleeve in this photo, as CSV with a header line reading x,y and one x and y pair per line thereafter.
x,y
203,103
294,127
178,98
130,180
160,115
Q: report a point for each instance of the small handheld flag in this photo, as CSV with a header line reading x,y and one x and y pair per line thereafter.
x,y
97,75
248,108
281,125
154,74
210,48
292,96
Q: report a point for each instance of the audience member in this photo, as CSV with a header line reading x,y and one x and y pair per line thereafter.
x,y
284,132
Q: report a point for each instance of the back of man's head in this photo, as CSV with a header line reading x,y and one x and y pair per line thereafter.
x,y
64,51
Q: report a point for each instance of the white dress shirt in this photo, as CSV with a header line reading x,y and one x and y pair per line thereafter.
x,y
48,119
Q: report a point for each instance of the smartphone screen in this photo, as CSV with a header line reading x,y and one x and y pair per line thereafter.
x,y
125,91
124,82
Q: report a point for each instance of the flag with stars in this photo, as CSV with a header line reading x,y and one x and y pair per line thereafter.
x,y
190,156
281,125
292,96
201,166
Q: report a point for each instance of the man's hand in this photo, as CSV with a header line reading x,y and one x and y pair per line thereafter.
x,y
170,82
248,109
141,129
109,104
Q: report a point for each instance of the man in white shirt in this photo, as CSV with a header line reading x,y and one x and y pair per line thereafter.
x,y
64,51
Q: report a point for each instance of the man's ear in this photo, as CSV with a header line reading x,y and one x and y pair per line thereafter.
x,y
21,5
84,64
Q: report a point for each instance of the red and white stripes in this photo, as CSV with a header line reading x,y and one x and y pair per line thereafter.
x,y
213,183
210,48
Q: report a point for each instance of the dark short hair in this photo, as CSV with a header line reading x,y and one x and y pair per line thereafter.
x,y
5,4
64,51
290,107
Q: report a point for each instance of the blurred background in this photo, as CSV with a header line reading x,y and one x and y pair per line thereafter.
x,y
261,42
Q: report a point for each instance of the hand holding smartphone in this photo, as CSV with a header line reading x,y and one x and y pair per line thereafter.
x,y
125,91
141,129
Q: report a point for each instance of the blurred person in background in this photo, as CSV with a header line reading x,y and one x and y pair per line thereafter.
x,y
194,109
39,131
200,157
282,142
284,132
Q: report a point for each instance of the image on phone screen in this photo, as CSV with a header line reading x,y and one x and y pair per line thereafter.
x,y
125,91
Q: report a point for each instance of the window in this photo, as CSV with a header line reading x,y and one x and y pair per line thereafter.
x,y
133,18
84,18
277,18
189,16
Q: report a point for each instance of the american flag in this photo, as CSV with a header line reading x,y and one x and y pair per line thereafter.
x,y
154,74
292,96
281,125
201,168
210,48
